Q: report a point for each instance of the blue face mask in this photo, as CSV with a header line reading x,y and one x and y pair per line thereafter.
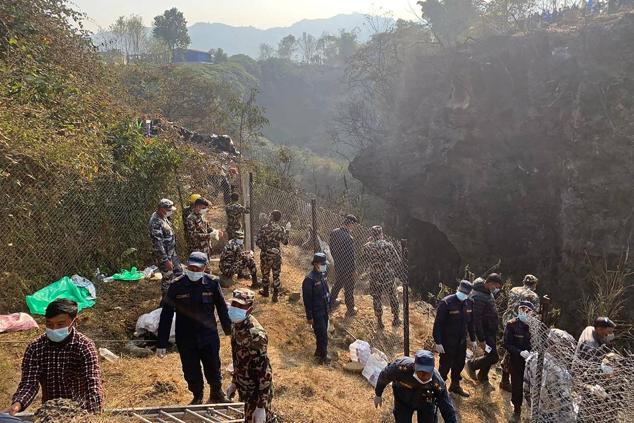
x,y
57,335
237,315
522,316
461,296
323,268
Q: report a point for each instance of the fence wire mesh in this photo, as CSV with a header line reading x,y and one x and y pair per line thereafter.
x,y
564,383
366,267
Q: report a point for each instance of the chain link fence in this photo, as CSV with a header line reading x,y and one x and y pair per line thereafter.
x,y
372,265
565,384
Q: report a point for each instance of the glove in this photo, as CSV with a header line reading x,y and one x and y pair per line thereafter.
x,y
440,349
161,352
378,401
259,415
288,226
231,390
525,354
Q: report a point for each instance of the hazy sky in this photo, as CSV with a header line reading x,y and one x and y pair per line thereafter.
x,y
259,13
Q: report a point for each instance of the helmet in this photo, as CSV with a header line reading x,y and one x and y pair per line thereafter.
x,y
243,296
193,198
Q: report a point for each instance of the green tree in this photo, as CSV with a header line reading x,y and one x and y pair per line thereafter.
x,y
219,55
287,47
449,20
348,44
266,51
171,27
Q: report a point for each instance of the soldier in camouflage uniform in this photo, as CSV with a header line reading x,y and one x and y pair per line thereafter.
x,y
186,211
382,260
526,292
252,373
233,260
269,238
164,243
199,231
235,214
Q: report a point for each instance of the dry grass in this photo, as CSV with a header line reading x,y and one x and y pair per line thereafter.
x,y
304,392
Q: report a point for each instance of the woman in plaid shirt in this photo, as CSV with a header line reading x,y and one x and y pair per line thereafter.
x,y
63,361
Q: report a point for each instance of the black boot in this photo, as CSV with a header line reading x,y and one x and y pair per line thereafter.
x,y
264,291
396,321
254,281
275,295
457,389
379,323
198,399
217,396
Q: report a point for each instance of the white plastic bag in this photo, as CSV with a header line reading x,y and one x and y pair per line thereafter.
x,y
360,351
150,322
373,367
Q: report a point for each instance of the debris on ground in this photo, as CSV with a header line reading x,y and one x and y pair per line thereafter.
x,y
60,410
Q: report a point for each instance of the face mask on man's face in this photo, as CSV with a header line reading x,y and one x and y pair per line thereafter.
x,y
424,382
169,213
204,212
237,315
461,296
194,276
58,335
495,292
240,242
609,337
323,268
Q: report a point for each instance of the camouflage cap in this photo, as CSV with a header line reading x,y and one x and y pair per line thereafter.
x,y
376,231
239,235
166,204
243,296
530,280
319,258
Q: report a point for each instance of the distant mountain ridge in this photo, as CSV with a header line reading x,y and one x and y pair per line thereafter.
x,y
247,40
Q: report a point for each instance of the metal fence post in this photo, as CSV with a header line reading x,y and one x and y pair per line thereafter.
x,y
313,208
405,298
251,219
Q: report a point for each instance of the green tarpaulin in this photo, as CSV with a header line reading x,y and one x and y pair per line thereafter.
x,y
63,288
131,275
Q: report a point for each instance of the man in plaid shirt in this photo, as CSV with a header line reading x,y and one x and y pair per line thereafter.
x,y
63,361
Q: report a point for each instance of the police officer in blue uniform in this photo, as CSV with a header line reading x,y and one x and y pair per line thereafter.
x,y
193,297
316,295
517,341
454,319
417,386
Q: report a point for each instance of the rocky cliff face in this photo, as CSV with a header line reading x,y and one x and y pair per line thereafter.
x,y
517,148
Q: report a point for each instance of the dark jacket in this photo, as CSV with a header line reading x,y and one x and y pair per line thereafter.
x,y
194,304
454,319
517,338
342,250
316,295
485,314
409,392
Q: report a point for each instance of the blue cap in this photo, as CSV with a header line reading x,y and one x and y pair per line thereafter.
x,y
198,259
465,287
424,361
527,304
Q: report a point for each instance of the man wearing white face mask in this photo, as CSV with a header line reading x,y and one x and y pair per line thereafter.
x,y
316,296
485,322
417,387
252,374
200,233
164,243
194,297
454,319
63,361
595,340
517,341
